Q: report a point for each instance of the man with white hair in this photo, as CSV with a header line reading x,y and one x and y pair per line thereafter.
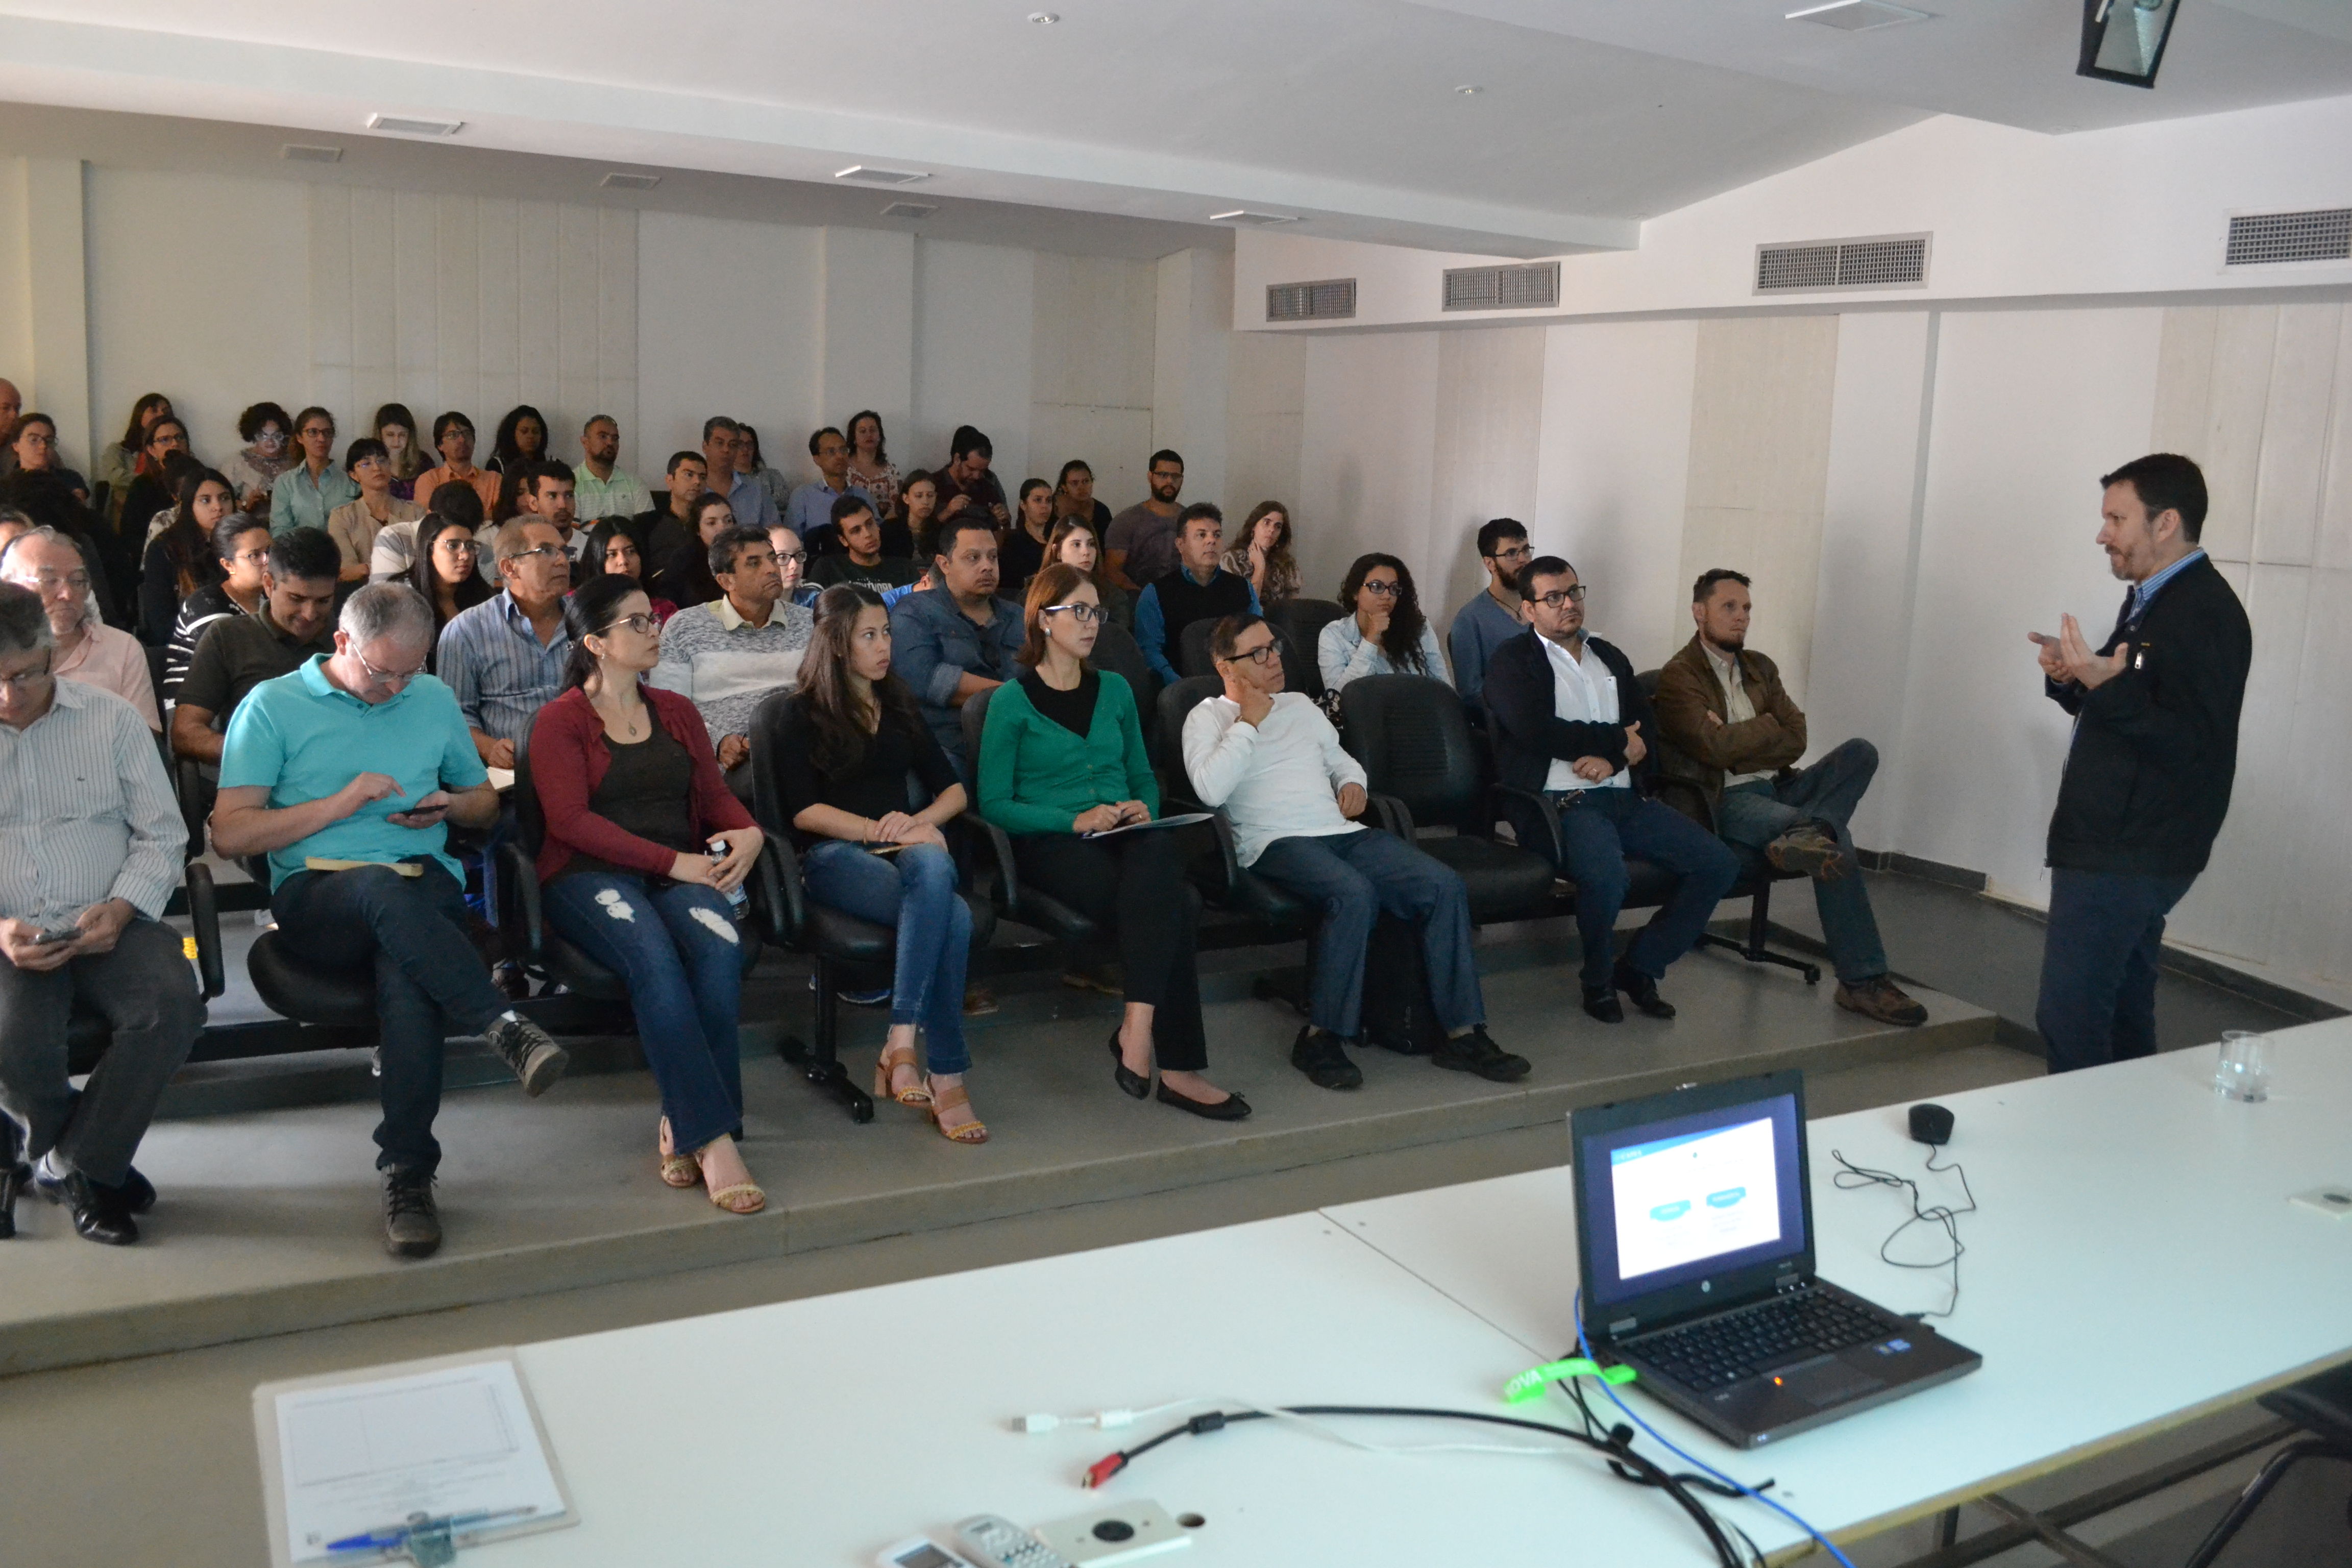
x,y
345,774
90,846
87,649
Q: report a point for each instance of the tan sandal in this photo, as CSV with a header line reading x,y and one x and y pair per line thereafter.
x,y
725,1198
680,1171
892,1059
973,1131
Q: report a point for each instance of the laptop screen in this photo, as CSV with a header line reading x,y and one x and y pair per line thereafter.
x,y
1669,1202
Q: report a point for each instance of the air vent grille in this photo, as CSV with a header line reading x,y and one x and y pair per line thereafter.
x,y
910,209
1885,261
2263,238
1529,287
1333,300
868,174
301,153
617,181
407,127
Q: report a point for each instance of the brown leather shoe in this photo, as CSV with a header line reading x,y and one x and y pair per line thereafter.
x,y
1883,1000
1806,850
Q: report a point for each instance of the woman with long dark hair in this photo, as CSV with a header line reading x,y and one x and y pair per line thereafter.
x,y
522,438
845,742
749,460
870,467
182,562
635,808
1262,554
1077,542
1022,550
1062,757
1074,497
1387,635
268,432
117,461
395,427
685,578
918,514
613,552
447,565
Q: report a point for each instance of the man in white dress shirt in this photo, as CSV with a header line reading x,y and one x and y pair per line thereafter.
x,y
1271,760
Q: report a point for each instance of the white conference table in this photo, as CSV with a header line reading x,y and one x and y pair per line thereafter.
x,y
2135,1262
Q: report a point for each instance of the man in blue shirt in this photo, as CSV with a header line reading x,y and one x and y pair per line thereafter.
x,y
345,774
810,512
504,658
955,641
746,496
1493,619
1198,590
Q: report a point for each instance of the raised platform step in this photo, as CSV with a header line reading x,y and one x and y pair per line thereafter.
x,y
269,1217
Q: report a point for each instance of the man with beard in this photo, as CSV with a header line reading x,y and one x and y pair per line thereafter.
x,y
1731,729
1141,546
1491,619
956,640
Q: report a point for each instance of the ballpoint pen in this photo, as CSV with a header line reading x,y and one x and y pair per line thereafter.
x,y
392,1537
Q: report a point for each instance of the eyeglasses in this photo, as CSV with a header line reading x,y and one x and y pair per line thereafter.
x,y
1515,553
793,558
24,680
644,625
78,580
460,546
389,677
1384,590
1257,655
1084,614
540,552
1559,596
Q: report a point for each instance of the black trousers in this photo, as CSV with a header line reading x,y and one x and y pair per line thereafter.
x,y
1134,883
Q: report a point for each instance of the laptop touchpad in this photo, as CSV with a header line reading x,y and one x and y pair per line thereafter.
x,y
1827,1380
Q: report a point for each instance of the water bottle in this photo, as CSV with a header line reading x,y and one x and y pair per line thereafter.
x,y
736,898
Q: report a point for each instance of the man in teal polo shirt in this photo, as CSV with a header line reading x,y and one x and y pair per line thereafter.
x,y
359,758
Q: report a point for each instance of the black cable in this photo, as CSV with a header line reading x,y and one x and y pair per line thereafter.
x,y
1929,1214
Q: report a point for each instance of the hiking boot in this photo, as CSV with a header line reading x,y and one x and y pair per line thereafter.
x,y
1324,1061
412,1226
1881,999
1475,1052
1804,850
536,1060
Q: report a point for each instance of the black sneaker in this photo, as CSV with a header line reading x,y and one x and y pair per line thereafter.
x,y
1641,989
412,1226
1324,1061
536,1060
1602,1004
1474,1052
99,1213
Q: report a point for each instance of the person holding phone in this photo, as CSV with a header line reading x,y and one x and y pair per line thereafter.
x,y
1061,761
93,842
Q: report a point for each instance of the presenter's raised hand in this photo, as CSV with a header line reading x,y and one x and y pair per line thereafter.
x,y
2081,664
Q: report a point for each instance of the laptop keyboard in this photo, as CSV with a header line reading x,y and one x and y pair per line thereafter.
x,y
1793,1327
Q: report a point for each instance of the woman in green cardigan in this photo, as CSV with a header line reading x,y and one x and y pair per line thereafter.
x,y
1062,757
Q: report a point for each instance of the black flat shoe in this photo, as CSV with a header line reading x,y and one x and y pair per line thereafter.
x,y
13,1179
97,1212
1476,1052
1232,1108
1133,1085
1602,1004
1642,990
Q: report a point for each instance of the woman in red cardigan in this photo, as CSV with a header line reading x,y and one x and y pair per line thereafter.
x,y
634,801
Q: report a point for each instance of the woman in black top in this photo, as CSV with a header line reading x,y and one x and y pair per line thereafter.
x,y
1023,550
521,440
844,744
182,562
447,570
685,578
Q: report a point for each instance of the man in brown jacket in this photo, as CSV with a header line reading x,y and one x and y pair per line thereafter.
x,y
1730,729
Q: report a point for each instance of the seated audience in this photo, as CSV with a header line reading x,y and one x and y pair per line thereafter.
x,y
1074,497
503,660
870,468
634,805
908,531
1731,727
84,647
746,496
514,495
668,523
95,843
845,743
520,440
1569,719
549,484
453,438
751,458
241,546
1062,757
395,427
12,409
810,512
182,562
793,561
859,561
396,543
45,498
1263,554
1495,617
307,494
32,450
152,489
611,552
957,639
966,483
685,578
600,486
294,621
1273,761
728,654
1023,552
362,756
116,463
1140,544
354,525
447,573
177,467
1075,543
254,467
1386,635
1198,590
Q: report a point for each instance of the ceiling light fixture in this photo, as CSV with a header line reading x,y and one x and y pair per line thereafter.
x,y
406,127
1045,19
1244,218
867,173
1857,16
1466,90
2123,40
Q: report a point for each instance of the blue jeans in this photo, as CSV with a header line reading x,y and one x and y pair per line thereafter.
x,y
1599,828
430,982
1355,876
914,891
1756,813
680,954
2099,965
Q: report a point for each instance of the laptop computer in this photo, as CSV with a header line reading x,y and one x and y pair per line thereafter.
x,y
1694,1243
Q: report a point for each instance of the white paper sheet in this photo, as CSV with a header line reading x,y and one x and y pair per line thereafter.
x,y
501,779
364,1456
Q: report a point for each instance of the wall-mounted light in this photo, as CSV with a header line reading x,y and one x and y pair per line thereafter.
x,y
2123,40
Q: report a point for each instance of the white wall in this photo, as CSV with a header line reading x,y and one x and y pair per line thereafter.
x,y
975,331
1092,355
729,322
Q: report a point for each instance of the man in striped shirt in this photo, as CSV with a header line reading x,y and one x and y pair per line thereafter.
x,y
504,658
728,654
90,847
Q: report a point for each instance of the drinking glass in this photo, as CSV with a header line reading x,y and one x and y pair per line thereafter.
x,y
2244,1072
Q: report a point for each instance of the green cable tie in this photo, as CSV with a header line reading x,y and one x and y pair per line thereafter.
x,y
1530,1384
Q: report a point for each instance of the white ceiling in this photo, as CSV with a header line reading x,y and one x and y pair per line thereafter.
x,y
1592,115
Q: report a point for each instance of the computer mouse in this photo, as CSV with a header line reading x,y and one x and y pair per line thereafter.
x,y
1931,1125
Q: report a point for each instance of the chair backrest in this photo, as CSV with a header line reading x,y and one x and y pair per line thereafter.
x,y
1116,650
974,715
767,805
1193,657
530,822
1410,733
1176,705
1300,623
1678,774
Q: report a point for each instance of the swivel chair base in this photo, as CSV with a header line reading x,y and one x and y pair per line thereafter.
x,y
1759,921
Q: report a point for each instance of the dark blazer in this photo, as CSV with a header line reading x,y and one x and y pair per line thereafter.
x,y
1528,736
2156,748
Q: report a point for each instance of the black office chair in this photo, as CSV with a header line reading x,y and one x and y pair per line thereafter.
x,y
1117,651
1300,623
841,948
1226,882
2322,1406
1016,899
1426,769
87,1034
339,1001
1756,874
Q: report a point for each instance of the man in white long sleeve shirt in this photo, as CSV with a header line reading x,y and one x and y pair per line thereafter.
x,y
1271,760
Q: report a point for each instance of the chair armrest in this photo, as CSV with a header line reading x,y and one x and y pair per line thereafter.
x,y
204,913
188,783
1008,878
1227,863
523,876
1699,809
1391,814
776,895
1546,812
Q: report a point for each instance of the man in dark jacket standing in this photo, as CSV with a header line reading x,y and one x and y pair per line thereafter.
x,y
2147,777
1570,723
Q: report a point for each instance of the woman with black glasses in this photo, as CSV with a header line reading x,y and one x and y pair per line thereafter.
x,y
1387,635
